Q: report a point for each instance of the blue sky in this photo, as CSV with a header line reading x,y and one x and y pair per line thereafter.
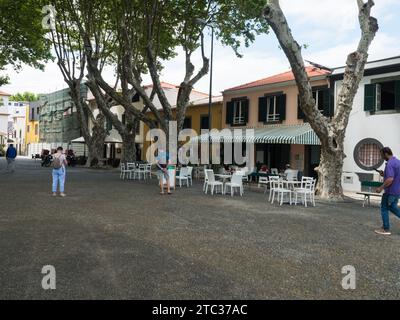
x,y
330,28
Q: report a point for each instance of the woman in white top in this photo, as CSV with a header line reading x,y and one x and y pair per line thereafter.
x,y
59,163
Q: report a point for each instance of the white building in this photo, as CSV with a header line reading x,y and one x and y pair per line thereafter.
x,y
374,121
17,124
4,99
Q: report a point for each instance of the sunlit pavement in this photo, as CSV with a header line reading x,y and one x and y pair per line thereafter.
x,y
117,239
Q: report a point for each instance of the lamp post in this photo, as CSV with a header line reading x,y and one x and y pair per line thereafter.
x,y
205,23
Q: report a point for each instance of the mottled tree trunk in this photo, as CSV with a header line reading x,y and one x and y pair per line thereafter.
x,y
330,173
129,147
331,131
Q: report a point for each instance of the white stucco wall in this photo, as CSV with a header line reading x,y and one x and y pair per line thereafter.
x,y
384,127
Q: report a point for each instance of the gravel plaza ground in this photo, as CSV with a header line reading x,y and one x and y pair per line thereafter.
x,y
113,239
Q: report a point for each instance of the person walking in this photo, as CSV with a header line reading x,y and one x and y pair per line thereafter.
x,y
391,186
162,161
59,163
11,154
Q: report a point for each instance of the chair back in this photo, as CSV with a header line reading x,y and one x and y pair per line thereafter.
x,y
273,178
292,175
122,166
305,182
189,171
142,167
237,179
130,165
210,175
276,183
274,171
183,172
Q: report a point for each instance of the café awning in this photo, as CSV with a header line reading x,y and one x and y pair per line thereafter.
x,y
271,134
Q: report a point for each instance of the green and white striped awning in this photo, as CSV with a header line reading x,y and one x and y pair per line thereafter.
x,y
272,134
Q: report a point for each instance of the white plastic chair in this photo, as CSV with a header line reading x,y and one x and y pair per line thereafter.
x,y
141,171
190,175
132,167
183,176
307,189
263,181
212,182
125,171
236,183
205,178
271,179
279,191
148,170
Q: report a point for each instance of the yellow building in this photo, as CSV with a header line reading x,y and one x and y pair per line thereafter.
x,y
196,118
32,124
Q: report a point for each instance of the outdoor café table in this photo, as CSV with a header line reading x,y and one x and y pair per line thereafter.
x,y
223,176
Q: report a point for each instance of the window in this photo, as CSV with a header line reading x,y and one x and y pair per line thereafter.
x,y
36,129
272,108
272,115
123,119
204,123
187,123
382,96
37,111
237,111
367,154
322,97
27,128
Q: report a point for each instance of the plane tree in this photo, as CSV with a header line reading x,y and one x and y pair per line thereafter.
x,y
331,131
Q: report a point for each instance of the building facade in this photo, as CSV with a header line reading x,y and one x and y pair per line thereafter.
x,y
374,121
32,124
4,114
196,116
270,106
58,118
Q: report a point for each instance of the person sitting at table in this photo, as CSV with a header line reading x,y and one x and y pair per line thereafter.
x,y
264,169
289,173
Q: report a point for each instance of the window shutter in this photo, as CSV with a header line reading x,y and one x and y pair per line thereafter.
x,y
326,103
229,112
245,110
300,113
397,94
370,97
262,109
281,106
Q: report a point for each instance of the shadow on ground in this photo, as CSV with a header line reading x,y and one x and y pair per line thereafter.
x,y
112,239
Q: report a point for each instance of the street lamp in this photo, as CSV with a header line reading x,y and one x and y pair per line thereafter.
x,y
205,23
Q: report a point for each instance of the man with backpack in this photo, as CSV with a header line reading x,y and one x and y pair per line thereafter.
x,y
11,154
59,163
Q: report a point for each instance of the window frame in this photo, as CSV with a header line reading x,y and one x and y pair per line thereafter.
x,y
356,154
238,120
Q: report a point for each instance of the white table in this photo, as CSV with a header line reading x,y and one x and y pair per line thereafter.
x,y
223,176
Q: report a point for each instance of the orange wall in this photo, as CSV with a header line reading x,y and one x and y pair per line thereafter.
x,y
193,112
253,95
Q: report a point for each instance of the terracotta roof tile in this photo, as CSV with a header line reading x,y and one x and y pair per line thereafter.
x,y
281,77
2,93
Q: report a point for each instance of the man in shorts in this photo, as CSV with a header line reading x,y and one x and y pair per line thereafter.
x,y
162,172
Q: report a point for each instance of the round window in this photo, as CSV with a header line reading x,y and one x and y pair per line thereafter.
x,y
367,154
